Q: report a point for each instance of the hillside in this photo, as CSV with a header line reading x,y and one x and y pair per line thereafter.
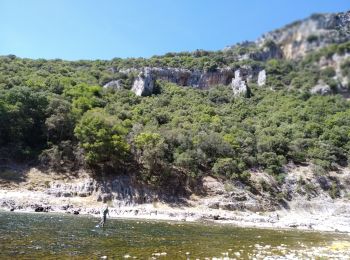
x,y
170,121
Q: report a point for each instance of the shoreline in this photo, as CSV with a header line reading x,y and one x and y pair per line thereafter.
x,y
220,204
199,221
275,220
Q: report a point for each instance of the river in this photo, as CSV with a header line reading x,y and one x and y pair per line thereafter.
x,y
51,236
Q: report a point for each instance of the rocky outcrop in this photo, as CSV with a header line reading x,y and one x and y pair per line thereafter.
x,y
321,89
120,189
181,77
299,38
239,87
262,78
253,51
81,189
267,52
114,84
336,62
292,42
145,82
212,186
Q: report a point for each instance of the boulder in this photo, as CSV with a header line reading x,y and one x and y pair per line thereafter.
x,y
216,217
325,184
39,209
42,209
321,89
212,186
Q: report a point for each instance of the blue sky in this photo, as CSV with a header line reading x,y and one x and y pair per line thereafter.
x,y
104,29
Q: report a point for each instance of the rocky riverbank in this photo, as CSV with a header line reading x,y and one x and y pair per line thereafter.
x,y
336,221
303,220
306,204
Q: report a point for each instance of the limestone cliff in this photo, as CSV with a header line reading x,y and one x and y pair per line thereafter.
x,y
144,83
247,60
315,32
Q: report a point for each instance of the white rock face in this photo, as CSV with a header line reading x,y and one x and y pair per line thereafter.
x,y
315,32
321,89
144,84
238,85
262,78
336,61
114,84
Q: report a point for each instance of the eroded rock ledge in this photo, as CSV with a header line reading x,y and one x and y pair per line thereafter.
x,y
144,83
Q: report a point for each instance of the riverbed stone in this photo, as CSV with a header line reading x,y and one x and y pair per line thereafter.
x,y
212,186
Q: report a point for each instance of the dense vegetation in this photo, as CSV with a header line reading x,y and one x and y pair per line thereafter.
x,y
56,113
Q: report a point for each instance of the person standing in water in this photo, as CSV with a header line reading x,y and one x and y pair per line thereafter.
x,y
104,211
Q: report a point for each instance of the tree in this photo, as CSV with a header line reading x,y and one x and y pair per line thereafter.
x,y
23,114
60,122
103,139
84,98
151,152
226,167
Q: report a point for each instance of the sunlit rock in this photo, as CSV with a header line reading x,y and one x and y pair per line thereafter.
x,y
262,78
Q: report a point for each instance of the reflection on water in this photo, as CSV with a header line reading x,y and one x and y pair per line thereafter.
x,y
62,236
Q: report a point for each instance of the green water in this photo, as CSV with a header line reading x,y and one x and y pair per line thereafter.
x,y
51,236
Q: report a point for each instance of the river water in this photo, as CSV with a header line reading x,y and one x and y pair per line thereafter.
x,y
52,236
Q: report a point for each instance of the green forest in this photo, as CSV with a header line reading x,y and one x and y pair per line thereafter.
x,y
56,114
